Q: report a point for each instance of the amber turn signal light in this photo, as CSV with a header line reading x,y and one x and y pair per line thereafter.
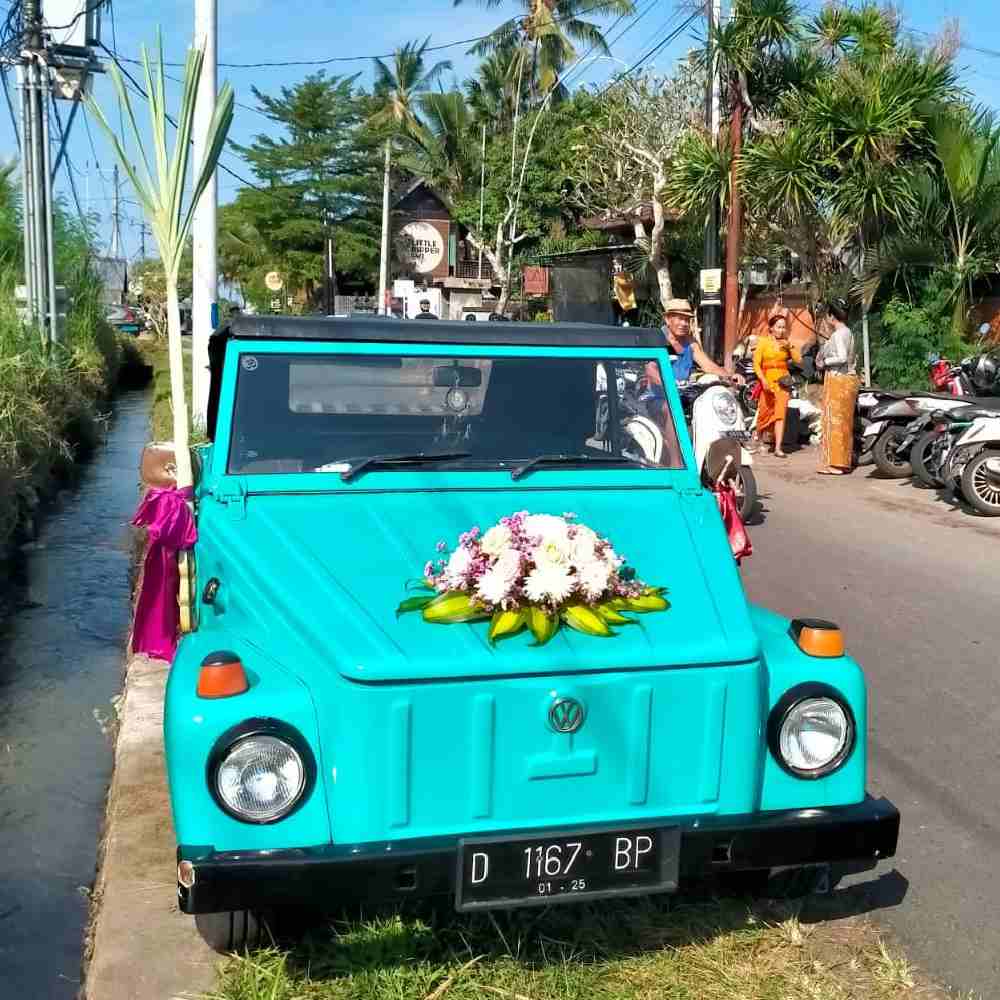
x,y
816,637
221,676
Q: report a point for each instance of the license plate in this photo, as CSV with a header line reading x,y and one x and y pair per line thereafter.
x,y
561,868
738,435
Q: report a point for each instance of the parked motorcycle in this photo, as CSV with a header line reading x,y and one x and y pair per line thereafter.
x,y
974,461
897,422
713,413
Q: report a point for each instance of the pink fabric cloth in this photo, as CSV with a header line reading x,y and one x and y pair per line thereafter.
x,y
166,515
739,540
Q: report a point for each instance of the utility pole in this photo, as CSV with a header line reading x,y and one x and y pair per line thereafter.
x,y
116,218
205,285
382,307
330,277
734,231
482,202
711,275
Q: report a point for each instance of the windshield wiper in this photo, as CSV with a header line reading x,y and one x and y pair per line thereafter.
x,y
420,458
522,470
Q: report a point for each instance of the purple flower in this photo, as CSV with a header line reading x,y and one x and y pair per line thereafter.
x,y
442,546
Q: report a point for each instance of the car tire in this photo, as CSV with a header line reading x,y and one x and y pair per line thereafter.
x,y
922,452
981,482
746,492
885,458
231,930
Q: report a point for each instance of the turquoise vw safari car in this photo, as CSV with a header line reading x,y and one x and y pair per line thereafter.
x,y
322,748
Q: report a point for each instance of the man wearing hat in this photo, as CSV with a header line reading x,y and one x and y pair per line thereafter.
x,y
688,353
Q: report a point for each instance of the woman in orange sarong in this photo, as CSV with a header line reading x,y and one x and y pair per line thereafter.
x,y
770,362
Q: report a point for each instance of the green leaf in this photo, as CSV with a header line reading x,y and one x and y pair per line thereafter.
x,y
543,625
610,616
413,604
646,603
584,619
418,584
451,607
506,623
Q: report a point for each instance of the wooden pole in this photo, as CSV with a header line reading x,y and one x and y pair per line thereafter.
x,y
734,233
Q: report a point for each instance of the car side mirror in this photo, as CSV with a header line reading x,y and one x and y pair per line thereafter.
x,y
464,377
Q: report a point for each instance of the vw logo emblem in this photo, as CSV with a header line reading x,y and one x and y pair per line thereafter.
x,y
566,715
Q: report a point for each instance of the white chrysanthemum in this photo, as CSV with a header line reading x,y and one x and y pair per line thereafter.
x,y
509,565
494,586
582,545
594,577
496,540
549,583
458,566
552,552
546,527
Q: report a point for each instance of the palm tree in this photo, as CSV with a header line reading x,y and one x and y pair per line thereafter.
x,y
397,88
954,227
542,37
163,198
493,93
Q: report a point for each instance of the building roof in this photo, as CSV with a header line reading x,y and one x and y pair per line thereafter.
x,y
378,329
607,222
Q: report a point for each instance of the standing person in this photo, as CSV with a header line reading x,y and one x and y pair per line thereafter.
x,y
770,362
840,393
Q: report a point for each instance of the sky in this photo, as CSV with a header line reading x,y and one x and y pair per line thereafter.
x,y
254,31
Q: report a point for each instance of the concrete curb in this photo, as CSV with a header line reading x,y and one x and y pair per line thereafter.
x,y
144,948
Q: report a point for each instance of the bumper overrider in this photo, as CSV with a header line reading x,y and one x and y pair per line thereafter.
x,y
211,881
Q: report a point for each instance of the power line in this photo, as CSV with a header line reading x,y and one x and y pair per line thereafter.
x,y
69,172
142,93
89,9
635,20
604,5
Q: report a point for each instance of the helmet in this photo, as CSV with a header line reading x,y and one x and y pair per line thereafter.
x,y
984,375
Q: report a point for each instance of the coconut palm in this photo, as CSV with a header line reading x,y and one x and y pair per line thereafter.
x,y
954,227
542,37
493,93
397,89
160,190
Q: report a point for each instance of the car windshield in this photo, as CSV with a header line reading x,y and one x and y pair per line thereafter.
x,y
326,413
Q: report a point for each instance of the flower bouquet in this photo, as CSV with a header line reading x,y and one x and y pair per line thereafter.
x,y
534,571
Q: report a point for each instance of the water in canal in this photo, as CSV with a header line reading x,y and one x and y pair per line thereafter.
x,y
61,661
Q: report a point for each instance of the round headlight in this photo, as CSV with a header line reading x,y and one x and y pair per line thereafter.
x,y
815,736
725,407
260,778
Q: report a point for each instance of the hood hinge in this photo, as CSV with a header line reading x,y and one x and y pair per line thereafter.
x,y
233,494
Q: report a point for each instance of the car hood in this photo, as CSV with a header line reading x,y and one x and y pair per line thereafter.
x,y
324,573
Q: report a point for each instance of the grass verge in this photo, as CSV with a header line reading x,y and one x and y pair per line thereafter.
x,y
719,950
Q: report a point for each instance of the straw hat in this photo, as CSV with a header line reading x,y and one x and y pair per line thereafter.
x,y
679,306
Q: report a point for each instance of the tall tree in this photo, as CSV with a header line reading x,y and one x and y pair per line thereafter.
x,y
623,155
542,37
161,193
317,174
953,226
397,89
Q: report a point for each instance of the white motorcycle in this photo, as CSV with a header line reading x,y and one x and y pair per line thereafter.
x,y
713,414
974,462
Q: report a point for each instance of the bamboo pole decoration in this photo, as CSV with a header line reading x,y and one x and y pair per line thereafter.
x,y
160,188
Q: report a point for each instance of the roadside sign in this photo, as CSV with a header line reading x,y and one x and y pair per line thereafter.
x,y
273,281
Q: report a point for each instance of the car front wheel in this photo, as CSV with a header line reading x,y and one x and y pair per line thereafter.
x,y
231,930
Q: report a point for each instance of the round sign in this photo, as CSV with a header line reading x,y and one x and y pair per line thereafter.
x,y
273,281
420,246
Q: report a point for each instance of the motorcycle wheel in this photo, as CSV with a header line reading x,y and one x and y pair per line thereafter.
x,y
746,492
925,457
981,482
748,403
884,454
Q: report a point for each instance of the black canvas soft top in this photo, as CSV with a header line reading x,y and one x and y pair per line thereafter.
x,y
380,329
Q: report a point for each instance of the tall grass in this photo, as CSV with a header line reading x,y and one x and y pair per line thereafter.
x,y
49,399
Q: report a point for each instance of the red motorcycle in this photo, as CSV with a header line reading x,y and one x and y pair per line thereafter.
x,y
949,377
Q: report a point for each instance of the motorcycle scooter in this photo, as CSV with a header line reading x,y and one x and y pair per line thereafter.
x,y
974,461
713,414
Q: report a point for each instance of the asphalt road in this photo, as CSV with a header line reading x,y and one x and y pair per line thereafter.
x,y
915,585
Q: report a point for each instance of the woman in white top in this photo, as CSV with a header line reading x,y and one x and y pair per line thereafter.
x,y
840,393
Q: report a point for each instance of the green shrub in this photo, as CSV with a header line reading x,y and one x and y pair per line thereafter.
x,y
908,333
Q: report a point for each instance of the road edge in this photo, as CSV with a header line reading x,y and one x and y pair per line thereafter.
x,y
139,946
